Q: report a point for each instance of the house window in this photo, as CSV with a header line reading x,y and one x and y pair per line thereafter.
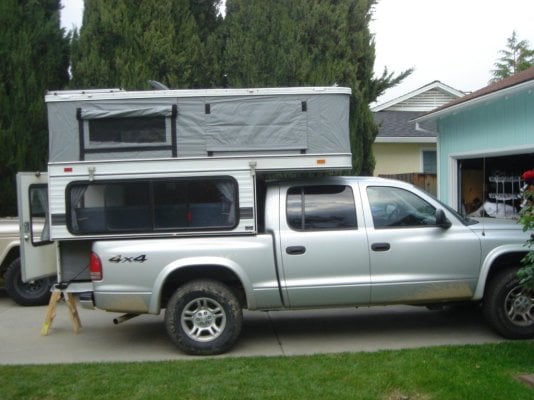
x,y
313,208
152,205
429,161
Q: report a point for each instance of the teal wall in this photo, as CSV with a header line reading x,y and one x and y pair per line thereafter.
x,y
494,126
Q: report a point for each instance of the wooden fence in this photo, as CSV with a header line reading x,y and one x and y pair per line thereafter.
x,y
427,182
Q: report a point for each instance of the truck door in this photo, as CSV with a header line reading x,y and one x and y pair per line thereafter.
x,y
323,248
412,258
38,253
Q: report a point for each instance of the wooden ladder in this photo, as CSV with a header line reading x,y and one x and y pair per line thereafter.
x,y
56,297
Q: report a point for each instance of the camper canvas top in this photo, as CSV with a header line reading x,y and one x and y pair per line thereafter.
x,y
113,124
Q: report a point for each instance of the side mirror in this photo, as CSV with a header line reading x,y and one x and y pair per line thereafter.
x,y
441,219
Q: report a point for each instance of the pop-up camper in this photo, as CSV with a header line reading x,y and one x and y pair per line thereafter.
x,y
169,163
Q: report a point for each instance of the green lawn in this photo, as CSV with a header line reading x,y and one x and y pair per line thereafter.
x,y
453,372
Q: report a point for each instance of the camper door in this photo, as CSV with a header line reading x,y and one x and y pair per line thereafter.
x,y
38,253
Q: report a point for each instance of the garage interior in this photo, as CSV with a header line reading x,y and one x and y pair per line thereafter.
x,y
491,186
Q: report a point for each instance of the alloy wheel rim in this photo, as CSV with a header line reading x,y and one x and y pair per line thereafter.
x,y
519,306
203,319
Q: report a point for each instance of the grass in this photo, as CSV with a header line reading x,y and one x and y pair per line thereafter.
x,y
450,372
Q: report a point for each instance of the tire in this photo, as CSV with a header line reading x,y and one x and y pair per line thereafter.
x,y
203,317
509,307
33,293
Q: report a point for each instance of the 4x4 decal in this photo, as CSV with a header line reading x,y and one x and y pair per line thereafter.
x,y
124,259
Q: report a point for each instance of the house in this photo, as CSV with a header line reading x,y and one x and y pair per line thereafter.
x,y
485,143
399,148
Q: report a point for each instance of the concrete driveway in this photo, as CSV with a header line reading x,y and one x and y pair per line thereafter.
x,y
282,333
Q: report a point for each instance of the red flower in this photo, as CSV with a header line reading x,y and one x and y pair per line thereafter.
x,y
528,176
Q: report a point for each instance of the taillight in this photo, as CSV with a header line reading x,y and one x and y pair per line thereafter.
x,y
95,268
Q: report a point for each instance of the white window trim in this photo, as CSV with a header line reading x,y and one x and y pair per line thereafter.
x,y
422,159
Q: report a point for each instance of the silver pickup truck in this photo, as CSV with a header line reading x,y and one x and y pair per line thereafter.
x,y
327,242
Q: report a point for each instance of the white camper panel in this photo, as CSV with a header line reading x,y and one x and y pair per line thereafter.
x,y
150,198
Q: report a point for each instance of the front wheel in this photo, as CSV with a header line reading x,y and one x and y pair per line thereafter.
x,y
203,318
32,293
509,307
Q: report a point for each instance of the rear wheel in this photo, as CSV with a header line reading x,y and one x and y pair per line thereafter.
x,y
509,307
203,318
32,293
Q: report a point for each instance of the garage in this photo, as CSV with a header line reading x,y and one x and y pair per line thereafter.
x,y
491,186
485,143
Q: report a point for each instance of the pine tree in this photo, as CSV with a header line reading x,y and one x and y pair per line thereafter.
x,y
35,54
126,46
310,42
517,57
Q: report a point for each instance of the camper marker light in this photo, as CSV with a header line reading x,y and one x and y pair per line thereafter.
x,y
321,161
67,169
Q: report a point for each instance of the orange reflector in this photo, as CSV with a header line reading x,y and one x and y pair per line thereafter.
x,y
67,169
321,162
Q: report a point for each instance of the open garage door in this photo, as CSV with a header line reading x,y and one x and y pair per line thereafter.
x,y
490,186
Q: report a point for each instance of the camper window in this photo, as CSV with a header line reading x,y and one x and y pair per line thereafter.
x,y
127,130
106,129
152,205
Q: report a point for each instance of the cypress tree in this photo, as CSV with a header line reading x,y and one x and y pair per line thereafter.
x,y
310,42
124,45
35,54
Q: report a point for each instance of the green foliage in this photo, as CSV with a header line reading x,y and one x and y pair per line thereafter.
x,y
526,218
183,44
34,52
516,57
120,45
309,42
452,372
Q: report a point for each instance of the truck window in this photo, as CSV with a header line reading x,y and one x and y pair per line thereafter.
x,y
393,207
322,207
152,205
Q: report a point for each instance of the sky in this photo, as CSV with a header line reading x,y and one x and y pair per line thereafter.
x,y
453,41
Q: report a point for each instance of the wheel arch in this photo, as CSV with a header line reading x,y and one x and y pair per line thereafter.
x,y
174,276
499,259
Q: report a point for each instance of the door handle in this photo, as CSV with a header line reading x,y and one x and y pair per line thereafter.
x,y
380,246
26,228
295,250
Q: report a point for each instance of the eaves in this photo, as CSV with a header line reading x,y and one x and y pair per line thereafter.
x,y
406,139
477,101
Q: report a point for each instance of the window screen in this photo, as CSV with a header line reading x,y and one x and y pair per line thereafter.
x,y
153,205
106,130
321,208
127,130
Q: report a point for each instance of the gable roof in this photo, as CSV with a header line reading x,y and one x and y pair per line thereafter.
x,y
396,124
425,98
505,87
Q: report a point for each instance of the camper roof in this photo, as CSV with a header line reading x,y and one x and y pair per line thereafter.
x,y
115,94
